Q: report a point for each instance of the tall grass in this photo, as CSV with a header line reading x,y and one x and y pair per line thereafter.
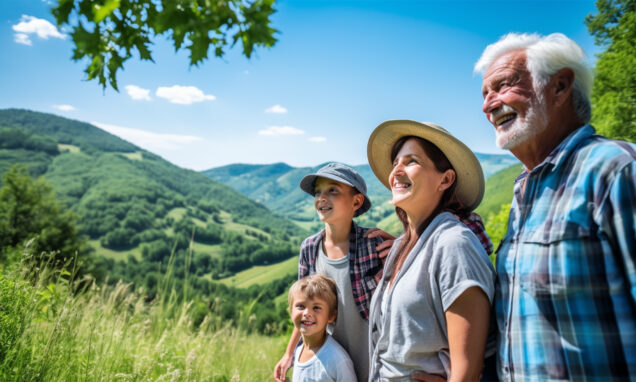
x,y
62,332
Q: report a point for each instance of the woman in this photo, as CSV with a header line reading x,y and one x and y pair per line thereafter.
x,y
430,312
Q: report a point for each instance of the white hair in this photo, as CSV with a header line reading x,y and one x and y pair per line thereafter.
x,y
546,55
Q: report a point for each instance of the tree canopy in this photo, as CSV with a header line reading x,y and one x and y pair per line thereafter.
x,y
30,212
614,92
109,32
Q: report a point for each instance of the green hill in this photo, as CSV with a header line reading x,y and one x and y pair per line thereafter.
x,y
498,190
276,186
132,202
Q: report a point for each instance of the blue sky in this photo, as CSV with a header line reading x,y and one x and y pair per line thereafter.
x,y
338,70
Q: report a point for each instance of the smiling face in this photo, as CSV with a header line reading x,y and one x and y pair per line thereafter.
x,y
511,104
311,315
416,184
335,202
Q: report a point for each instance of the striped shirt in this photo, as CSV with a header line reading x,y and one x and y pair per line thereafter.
x,y
365,266
566,299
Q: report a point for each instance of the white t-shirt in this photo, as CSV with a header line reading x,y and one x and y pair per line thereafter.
x,y
331,363
350,329
408,322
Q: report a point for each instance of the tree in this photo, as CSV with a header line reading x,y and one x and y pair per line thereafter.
x,y
29,211
614,92
497,226
108,32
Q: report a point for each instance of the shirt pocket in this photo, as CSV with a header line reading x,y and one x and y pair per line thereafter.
x,y
552,261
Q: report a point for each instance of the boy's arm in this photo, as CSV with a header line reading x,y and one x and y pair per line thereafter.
x,y
280,371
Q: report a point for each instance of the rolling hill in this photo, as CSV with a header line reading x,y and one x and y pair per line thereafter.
x,y
130,201
276,186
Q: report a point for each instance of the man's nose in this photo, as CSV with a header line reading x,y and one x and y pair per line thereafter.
x,y
491,103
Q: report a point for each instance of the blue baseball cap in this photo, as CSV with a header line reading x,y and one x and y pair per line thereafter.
x,y
340,173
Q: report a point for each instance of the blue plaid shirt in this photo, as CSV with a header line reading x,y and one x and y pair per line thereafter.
x,y
566,299
365,266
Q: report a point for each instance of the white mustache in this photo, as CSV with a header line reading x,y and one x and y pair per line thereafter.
x,y
504,109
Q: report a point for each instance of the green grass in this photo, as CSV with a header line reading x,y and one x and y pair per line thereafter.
x,y
262,274
177,213
112,334
499,190
210,249
112,254
70,148
133,156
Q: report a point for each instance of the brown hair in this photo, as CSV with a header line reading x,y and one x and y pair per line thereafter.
x,y
447,201
316,286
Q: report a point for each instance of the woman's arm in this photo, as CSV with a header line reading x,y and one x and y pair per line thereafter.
x,y
280,370
467,321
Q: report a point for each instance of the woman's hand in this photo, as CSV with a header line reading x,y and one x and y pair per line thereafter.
x,y
384,247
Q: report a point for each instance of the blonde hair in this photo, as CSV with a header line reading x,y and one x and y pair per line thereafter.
x,y
316,286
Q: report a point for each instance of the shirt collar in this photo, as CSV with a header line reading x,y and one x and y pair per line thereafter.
x,y
568,145
563,150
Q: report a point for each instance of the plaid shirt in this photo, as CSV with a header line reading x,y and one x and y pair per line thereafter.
x,y
364,264
566,300
474,223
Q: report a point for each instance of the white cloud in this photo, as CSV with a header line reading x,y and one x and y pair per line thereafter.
x,y
64,107
318,139
137,93
149,140
276,109
281,130
32,25
183,95
22,38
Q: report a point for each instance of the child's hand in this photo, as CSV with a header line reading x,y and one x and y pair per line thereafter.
x,y
384,247
280,371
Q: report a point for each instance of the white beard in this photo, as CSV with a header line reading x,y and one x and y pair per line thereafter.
x,y
520,131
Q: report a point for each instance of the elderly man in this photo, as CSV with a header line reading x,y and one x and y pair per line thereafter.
x,y
566,299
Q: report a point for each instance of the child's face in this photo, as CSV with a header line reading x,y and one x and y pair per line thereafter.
x,y
335,201
310,315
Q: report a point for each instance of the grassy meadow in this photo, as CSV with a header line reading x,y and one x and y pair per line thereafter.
x,y
54,330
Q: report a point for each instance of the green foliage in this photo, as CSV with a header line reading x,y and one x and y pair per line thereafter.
x,y
497,226
614,92
499,191
30,212
108,32
20,139
46,127
14,307
54,331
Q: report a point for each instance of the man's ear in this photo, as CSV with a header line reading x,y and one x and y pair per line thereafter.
x,y
561,85
448,178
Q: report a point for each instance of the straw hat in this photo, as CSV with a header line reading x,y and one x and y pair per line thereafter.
x,y
470,177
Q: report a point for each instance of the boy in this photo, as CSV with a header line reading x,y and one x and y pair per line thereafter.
x,y
313,304
342,252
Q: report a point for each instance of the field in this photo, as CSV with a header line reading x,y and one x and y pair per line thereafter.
x,y
262,274
112,334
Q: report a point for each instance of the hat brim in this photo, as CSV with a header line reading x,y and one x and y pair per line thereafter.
x,y
308,182
469,175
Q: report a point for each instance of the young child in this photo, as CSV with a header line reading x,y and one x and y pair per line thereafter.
x,y
344,253
313,304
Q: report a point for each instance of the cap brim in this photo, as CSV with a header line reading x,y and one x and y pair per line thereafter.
x,y
308,181
470,177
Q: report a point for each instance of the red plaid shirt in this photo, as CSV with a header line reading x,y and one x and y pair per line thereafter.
x,y
364,264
